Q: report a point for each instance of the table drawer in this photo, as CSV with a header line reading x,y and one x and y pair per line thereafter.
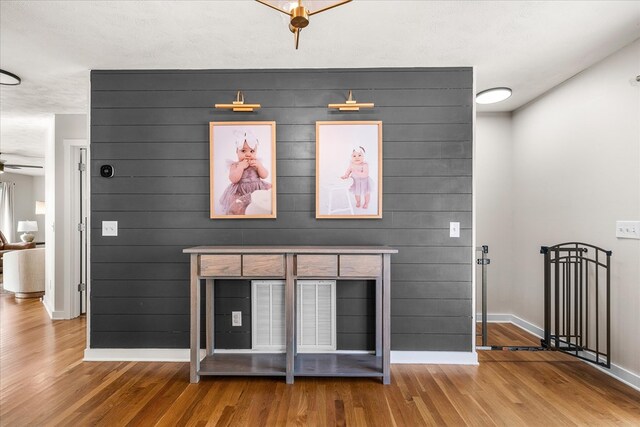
x,y
360,265
263,265
220,265
317,265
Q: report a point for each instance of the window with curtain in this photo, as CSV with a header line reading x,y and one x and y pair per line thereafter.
x,y
7,225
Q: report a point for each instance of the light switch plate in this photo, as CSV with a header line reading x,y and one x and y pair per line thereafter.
x,y
109,228
236,318
454,229
628,229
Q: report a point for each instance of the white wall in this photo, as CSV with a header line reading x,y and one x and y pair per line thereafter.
x,y
575,170
494,218
24,202
65,126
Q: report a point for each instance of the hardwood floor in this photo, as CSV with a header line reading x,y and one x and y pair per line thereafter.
x,y
43,381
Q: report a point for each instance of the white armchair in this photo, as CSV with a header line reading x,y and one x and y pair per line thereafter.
x,y
24,272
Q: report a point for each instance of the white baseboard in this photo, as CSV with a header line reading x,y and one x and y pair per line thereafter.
x,y
136,355
510,318
53,315
182,355
621,374
434,357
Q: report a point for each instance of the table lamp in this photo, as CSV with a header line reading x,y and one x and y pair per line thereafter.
x,y
25,227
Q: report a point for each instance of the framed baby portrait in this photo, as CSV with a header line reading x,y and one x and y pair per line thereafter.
x,y
242,161
349,169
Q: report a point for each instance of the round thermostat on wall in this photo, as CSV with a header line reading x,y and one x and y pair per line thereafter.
x,y
106,171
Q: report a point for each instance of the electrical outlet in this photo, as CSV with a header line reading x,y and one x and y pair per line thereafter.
x,y
628,229
109,228
454,229
236,318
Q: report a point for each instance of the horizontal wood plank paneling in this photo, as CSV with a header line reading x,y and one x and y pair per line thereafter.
x,y
298,168
327,237
283,80
286,185
282,115
443,341
355,324
140,288
232,295
285,150
195,219
437,97
152,126
121,134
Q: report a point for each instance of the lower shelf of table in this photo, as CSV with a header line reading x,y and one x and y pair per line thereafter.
x,y
337,365
243,364
306,365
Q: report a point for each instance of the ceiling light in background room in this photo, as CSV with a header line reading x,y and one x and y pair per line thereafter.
x,y
299,13
493,95
9,79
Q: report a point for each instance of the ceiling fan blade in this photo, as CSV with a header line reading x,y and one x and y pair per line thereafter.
x,y
328,7
22,166
273,7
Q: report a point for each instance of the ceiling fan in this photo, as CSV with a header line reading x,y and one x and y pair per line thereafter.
x,y
299,14
4,164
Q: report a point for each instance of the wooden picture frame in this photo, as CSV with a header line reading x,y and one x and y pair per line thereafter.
x,y
349,169
233,145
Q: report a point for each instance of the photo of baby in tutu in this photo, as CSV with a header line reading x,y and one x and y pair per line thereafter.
x,y
354,192
242,170
358,170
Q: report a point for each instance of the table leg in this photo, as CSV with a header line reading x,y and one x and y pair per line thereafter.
x,y
386,319
195,321
290,325
378,312
209,314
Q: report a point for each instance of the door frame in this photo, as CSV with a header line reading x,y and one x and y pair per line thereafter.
x,y
71,261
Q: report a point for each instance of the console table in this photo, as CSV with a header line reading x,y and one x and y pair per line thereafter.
x,y
290,263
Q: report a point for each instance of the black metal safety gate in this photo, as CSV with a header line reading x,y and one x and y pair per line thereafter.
x,y
577,302
577,290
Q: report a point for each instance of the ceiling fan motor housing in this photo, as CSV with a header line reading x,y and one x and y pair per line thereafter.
x,y
299,17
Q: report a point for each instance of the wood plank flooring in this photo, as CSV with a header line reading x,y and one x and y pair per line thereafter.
x,y
43,381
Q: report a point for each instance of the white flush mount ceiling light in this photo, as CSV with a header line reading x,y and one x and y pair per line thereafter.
x,y
9,79
493,95
299,13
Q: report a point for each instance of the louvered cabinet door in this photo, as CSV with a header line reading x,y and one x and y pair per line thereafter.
x,y
316,315
268,315
277,316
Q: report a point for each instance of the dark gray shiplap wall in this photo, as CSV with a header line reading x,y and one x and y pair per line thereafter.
x,y
153,127
355,315
232,295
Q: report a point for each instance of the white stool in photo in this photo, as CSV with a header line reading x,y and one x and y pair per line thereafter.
x,y
339,190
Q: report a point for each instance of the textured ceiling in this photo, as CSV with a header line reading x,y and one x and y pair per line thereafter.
x,y
528,46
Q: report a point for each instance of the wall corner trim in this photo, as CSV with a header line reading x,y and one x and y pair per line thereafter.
x,y
434,357
54,315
